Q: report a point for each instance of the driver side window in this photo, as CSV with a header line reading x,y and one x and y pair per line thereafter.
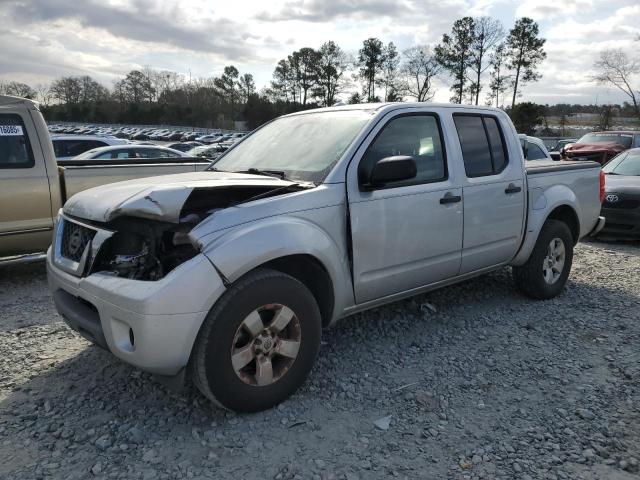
x,y
417,136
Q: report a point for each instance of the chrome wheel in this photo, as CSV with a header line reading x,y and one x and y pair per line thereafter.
x,y
266,344
553,262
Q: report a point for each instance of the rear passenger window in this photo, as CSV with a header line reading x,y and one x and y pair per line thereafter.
x,y
417,136
15,150
495,140
483,148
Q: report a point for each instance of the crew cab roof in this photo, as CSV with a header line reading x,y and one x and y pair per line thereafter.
x,y
389,106
11,100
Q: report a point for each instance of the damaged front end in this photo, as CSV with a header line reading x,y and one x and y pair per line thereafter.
x,y
144,249
147,236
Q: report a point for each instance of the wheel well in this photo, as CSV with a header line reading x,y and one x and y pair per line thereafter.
x,y
313,275
566,214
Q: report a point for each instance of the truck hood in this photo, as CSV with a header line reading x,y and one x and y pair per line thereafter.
x,y
161,198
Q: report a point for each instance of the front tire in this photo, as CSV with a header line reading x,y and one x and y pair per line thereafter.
x,y
258,343
545,273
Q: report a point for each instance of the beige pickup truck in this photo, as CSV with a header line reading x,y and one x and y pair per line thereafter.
x,y
33,186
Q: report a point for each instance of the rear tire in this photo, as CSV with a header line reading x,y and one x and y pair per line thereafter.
x,y
545,273
258,343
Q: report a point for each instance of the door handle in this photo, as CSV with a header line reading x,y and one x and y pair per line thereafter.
x,y
512,188
450,198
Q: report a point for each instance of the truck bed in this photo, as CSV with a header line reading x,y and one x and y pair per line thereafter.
x,y
533,167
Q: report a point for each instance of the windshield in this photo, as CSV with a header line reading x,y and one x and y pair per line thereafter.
x,y
621,138
627,163
303,147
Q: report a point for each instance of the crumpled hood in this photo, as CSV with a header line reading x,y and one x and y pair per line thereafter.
x,y
595,147
156,198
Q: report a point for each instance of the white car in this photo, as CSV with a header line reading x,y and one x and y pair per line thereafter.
x,y
208,138
70,146
129,151
533,148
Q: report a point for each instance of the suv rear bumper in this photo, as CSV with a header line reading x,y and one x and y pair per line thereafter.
x,y
149,324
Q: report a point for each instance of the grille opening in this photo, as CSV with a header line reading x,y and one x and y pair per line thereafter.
x,y
132,338
75,239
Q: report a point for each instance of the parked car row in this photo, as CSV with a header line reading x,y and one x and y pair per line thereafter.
x,y
92,143
146,133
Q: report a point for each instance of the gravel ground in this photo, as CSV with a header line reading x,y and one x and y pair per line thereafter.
x,y
472,381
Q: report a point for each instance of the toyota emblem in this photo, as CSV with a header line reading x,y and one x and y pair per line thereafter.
x,y
612,198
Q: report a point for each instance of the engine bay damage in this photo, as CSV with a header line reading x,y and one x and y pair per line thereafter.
x,y
144,248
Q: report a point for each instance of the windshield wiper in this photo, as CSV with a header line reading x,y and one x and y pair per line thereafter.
x,y
268,173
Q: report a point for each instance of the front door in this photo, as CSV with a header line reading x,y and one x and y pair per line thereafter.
x,y
406,234
25,212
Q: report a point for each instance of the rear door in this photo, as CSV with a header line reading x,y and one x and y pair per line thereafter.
x,y
25,200
406,234
493,192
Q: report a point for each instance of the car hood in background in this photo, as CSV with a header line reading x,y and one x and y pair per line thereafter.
x,y
156,198
577,148
622,184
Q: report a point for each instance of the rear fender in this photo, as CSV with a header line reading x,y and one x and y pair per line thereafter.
x,y
541,204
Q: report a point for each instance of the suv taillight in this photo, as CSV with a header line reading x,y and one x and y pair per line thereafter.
x,y
602,182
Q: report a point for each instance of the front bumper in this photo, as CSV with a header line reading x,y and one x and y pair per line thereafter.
x,y
622,222
149,324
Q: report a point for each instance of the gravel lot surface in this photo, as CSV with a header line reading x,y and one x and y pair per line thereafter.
x,y
472,381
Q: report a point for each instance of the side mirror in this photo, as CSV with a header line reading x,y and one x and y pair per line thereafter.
x,y
391,169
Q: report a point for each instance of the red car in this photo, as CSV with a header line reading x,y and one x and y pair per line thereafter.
x,y
601,146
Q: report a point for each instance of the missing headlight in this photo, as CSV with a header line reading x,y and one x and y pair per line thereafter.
x,y
144,250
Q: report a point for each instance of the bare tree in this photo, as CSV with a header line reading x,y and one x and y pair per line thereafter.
x,y
419,68
616,68
390,72
18,89
67,90
499,78
44,94
488,33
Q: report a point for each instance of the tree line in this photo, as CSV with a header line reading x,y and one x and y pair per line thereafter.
x,y
479,58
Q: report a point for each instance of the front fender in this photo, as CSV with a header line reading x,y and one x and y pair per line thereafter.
x,y
541,204
250,245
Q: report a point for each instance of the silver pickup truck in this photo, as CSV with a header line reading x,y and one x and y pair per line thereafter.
x,y
33,186
229,275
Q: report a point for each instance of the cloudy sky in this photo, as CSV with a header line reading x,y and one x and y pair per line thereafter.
x,y
44,39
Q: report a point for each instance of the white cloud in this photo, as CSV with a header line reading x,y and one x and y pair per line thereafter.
x,y
546,9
